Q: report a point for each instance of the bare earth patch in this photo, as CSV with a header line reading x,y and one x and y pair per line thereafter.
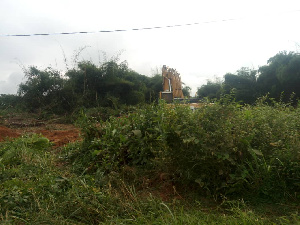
x,y
58,134
6,132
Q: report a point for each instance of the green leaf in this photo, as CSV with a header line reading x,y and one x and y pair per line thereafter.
x,y
96,152
41,143
122,138
178,132
199,181
137,133
257,152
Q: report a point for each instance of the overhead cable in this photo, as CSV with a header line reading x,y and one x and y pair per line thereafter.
x,y
109,31
123,30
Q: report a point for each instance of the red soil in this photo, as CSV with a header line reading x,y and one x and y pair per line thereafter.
x,y
58,134
6,132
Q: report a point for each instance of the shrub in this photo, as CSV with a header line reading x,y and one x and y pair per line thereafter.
x,y
221,148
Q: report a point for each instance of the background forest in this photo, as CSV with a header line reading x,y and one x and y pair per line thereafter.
x,y
109,85
113,84
280,78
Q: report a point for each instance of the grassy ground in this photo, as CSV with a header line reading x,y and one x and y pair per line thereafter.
x,y
42,183
37,187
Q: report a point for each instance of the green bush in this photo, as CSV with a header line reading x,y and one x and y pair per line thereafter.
x,y
218,149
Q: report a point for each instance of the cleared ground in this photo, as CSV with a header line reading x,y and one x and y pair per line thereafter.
x,y
59,134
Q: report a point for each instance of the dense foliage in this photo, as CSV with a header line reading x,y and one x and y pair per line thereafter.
x,y
226,151
221,149
280,78
113,85
110,85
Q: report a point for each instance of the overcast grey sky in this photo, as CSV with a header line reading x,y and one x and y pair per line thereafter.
x,y
231,34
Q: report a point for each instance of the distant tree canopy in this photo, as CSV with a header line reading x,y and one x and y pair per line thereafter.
x,y
280,78
242,84
211,90
108,85
282,74
113,84
186,91
42,89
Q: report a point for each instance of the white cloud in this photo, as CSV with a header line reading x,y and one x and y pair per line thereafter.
x,y
10,85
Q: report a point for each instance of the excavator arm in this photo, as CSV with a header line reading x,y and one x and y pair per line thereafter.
x,y
172,86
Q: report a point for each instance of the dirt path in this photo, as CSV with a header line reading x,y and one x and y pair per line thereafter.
x,y
58,134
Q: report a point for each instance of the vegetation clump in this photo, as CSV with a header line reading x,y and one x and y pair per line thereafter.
x,y
220,149
111,85
279,78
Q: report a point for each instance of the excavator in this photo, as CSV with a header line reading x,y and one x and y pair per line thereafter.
x,y
172,86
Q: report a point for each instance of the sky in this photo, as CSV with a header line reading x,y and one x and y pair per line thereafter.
x,y
228,35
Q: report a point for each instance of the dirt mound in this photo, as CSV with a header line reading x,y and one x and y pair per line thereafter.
x,y
6,132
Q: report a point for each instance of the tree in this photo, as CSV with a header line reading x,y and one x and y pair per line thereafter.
x,y
243,83
93,85
281,75
10,101
212,90
187,91
289,76
42,89
154,86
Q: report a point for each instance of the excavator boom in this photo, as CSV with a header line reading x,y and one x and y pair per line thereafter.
x,y
172,86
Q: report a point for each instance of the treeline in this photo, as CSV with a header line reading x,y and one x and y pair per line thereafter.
x,y
111,84
280,78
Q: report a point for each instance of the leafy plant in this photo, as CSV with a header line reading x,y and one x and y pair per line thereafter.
x,y
222,148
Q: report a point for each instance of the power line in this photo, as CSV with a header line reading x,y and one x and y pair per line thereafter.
x,y
126,30
110,31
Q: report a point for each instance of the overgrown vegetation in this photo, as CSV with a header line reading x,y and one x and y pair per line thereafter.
x,y
280,78
113,85
110,85
242,159
220,149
